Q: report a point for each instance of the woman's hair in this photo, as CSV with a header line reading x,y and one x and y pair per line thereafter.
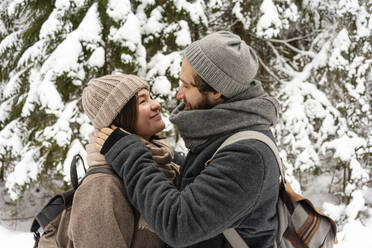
x,y
127,116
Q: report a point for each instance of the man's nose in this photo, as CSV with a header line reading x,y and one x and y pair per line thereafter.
x,y
180,94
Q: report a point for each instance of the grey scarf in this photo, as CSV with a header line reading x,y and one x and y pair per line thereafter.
x,y
254,110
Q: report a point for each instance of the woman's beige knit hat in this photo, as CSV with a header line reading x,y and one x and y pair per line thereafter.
x,y
104,97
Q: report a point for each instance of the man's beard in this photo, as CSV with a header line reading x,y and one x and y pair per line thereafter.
x,y
203,104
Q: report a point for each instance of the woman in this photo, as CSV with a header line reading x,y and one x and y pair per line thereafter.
x,y
101,215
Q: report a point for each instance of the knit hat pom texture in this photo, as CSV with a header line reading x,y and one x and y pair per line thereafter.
x,y
104,97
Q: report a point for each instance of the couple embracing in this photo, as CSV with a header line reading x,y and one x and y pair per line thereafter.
x,y
160,198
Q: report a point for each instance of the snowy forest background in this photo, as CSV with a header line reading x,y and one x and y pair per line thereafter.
x,y
315,57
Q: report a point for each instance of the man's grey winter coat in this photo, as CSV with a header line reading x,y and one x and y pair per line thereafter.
x,y
239,188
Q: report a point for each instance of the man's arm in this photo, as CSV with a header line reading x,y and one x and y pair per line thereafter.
x,y
221,195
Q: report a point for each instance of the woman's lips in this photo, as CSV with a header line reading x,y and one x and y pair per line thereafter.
x,y
156,117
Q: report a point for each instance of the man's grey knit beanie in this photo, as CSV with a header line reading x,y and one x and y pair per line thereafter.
x,y
224,61
104,97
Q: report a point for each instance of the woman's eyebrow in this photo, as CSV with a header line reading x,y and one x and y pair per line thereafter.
x,y
142,95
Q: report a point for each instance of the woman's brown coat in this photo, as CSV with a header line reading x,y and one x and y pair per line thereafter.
x,y
101,214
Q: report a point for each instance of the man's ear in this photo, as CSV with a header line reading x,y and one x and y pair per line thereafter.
x,y
216,97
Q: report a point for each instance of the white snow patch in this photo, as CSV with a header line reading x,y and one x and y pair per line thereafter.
x,y
118,10
11,138
348,6
160,63
52,25
356,205
60,131
314,109
363,29
5,108
344,146
269,24
62,4
237,11
355,234
183,35
25,170
129,34
153,25
13,84
85,130
340,44
357,172
195,10
3,30
97,59
334,211
15,239
9,41
33,53
126,58
161,86
14,5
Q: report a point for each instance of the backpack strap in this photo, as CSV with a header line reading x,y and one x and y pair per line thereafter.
x,y
235,240
73,172
244,135
106,170
61,201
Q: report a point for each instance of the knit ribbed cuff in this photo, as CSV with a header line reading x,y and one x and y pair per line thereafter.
x,y
114,137
210,73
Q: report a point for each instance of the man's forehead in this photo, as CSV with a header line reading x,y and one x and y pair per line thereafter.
x,y
185,82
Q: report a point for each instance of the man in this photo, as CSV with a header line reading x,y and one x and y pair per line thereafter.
x,y
239,187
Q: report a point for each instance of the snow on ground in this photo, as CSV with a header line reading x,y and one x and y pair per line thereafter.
x,y
12,239
355,234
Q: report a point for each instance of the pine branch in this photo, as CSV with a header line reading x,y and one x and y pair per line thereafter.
x,y
288,70
269,71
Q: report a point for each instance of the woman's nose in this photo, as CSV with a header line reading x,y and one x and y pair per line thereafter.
x,y
155,105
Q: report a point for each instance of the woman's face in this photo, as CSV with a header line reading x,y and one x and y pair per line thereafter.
x,y
149,121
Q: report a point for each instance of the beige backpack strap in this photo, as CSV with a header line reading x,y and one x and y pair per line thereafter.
x,y
235,240
244,135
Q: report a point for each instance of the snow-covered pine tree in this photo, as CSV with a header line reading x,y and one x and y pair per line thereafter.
x,y
50,50
320,52
315,57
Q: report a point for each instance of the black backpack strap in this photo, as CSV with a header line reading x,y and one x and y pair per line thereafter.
x,y
61,201
53,208
73,172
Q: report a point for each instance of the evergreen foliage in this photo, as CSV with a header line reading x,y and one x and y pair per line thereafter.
x,y
315,57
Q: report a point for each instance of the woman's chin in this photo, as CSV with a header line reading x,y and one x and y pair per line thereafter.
x,y
158,127
161,126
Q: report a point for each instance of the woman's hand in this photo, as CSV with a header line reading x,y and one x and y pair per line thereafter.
x,y
102,135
